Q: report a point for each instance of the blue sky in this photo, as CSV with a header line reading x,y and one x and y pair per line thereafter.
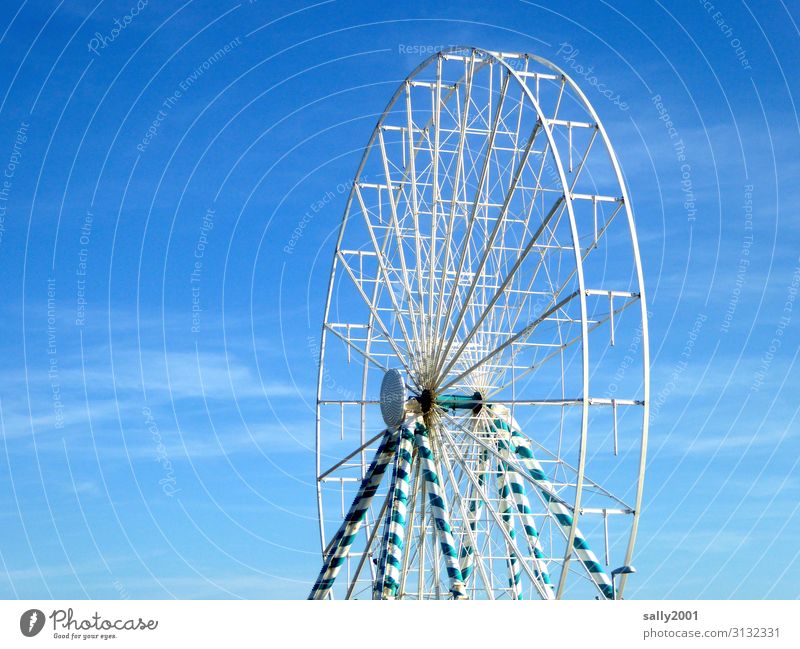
x,y
142,458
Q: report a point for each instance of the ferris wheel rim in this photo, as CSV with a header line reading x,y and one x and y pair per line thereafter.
x,y
642,301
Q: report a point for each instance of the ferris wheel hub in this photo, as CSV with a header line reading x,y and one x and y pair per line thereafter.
x,y
426,400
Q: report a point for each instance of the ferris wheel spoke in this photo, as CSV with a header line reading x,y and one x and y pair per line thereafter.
x,y
366,355
489,508
412,175
459,167
388,338
566,281
520,112
404,274
476,292
437,110
351,455
554,211
468,521
633,299
379,255
548,490
486,157
526,440
520,335
513,489
557,206
512,360
541,264
439,510
499,224
464,296
566,519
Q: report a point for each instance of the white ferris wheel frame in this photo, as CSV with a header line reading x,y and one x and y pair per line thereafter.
x,y
509,62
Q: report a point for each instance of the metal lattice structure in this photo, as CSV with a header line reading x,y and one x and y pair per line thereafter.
x,y
487,274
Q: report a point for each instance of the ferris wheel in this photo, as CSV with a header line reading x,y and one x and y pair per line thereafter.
x,y
482,402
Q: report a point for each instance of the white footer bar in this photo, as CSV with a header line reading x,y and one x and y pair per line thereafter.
x,y
230,624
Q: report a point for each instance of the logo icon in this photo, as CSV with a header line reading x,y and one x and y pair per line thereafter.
x,y
31,622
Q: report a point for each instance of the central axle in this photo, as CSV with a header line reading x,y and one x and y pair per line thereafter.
x,y
450,401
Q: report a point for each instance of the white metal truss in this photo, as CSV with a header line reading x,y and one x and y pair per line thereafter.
x,y
488,252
